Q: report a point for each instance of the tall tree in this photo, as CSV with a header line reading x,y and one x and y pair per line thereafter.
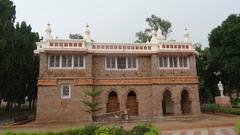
x,y
224,42
22,69
7,18
154,22
207,89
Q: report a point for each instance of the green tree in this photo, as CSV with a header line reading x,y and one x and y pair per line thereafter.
x,y
75,36
22,70
207,89
224,42
7,18
92,106
154,22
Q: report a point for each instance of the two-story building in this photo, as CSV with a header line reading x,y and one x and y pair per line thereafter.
x,y
149,80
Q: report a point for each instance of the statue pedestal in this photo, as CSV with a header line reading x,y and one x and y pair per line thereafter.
x,y
223,101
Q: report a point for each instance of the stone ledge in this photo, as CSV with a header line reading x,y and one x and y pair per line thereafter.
x,y
138,81
134,81
47,82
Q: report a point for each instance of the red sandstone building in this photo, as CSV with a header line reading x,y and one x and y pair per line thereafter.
x,y
149,80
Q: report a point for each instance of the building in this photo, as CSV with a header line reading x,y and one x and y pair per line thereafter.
x,y
149,80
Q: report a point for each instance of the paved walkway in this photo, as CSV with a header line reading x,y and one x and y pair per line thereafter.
x,y
204,131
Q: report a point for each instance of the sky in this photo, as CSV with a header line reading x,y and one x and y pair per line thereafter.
x,y
119,20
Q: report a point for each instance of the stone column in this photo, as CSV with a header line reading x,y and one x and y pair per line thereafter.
x,y
156,101
122,100
177,108
195,108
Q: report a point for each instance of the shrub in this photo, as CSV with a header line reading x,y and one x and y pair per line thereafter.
x,y
144,130
215,108
237,127
102,131
235,101
74,131
118,131
97,130
209,108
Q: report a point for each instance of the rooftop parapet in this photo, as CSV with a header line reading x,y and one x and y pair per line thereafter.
x,y
85,44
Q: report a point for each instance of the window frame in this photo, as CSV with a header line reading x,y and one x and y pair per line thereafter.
x,y
116,66
66,66
178,63
61,92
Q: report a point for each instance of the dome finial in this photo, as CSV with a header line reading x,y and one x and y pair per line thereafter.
x,y
186,38
87,32
48,32
160,36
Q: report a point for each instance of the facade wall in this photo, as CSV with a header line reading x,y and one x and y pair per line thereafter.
x,y
51,107
65,73
157,72
143,94
144,68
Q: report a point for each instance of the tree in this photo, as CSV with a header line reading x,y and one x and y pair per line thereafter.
x,y
22,73
224,42
92,106
7,18
207,89
75,36
154,22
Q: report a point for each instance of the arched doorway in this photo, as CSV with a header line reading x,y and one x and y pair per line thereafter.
x,y
132,104
185,102
167,103
112,105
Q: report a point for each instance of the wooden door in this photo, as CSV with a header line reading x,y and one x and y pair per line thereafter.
x,y
132,104
112,105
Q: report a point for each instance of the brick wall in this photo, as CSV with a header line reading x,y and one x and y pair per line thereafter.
x,y
51,107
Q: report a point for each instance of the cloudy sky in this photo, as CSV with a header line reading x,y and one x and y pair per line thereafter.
x,y
119,20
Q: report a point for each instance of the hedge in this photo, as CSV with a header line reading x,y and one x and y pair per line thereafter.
x,y
217,109
146,129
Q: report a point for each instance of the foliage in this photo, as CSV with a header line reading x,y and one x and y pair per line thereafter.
x,y
221,61
235,101
217,109
147,129
97,130
154,22
224,42
18,65
75,36
209,107
237,127
207,79
92,106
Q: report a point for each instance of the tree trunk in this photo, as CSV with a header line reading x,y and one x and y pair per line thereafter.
x,y
33,104
237,92
19,108
8,105
30,105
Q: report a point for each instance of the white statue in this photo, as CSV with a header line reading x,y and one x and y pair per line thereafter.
x,y
186,38
220,87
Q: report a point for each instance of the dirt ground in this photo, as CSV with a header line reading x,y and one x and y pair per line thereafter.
x,y
205,121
